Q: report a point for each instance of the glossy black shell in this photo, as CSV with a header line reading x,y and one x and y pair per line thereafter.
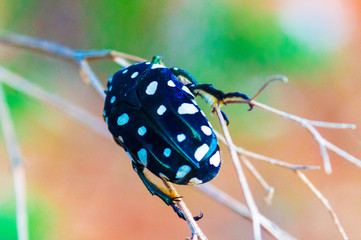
x,y
155,119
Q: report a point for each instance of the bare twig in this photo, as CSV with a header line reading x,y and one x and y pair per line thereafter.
x,y
70,109
323,143
196,230
17,167
57,50
324,201
266,159
269,190
241,209
242,179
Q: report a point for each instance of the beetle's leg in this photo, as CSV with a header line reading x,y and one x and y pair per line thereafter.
x,y
183,76
153,188
214,96
225,118
208,92
169,199
181,215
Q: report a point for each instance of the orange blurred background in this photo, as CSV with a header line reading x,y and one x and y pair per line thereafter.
x,y
81,185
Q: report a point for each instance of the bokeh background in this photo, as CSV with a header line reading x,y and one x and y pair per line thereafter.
x,y
81,185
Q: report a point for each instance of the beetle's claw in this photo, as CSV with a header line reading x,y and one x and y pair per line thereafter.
x,y
250,106
198,217
225,117
181,215
239,95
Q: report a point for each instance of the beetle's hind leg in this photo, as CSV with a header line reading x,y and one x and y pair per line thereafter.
x,y
153,188
169,198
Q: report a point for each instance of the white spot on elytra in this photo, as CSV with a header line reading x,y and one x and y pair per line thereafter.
x,y
187,108
215,160
104,113
194,102
154,66
184,88
112,100
135,74
147,63
204,115
142,130
181,137
167,152
195,181
201,152
110,88
121,139
171,83
175,68
161,109
111,79
142,155
123,119
206,130
182,171
152,88
125,71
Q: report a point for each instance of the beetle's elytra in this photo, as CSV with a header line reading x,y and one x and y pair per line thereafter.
x,y
155,119
151,112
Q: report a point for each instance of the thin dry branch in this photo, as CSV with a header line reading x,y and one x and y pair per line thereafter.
x,y
266,159
30,89
241,178
297,169
16,166
269,190
196,230
310,126
324,201
242,210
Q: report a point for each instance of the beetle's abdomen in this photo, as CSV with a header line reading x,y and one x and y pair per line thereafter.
x,y
156,120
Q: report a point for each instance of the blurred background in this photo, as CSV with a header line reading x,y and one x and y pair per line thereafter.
x,y
81,185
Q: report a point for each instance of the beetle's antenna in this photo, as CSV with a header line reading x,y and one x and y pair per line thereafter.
x,y
271,79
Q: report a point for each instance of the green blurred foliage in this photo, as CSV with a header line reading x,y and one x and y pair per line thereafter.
x,y
223,42
39,218
233,46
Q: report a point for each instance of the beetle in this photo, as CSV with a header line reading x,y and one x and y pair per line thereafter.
x,y
151,112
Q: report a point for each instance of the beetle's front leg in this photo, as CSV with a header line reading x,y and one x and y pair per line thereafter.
x,y
214,96
183,76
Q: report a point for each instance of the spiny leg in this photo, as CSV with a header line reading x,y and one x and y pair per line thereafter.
x,y
169,198
211,95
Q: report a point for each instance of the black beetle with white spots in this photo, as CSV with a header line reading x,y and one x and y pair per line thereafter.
x,y
154,117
